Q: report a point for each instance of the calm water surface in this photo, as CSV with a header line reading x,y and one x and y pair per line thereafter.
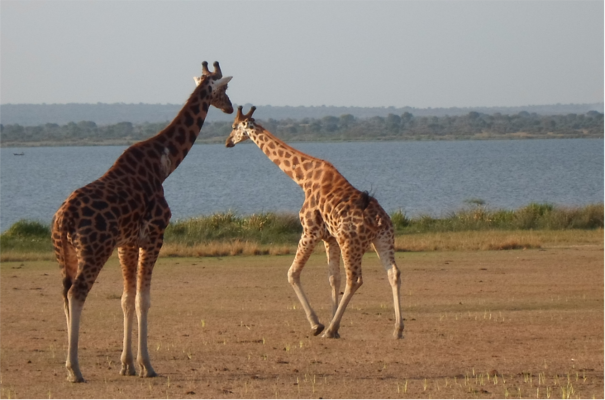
x,y
418,177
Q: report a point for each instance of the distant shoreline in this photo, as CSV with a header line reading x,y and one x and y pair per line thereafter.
x,y
125,142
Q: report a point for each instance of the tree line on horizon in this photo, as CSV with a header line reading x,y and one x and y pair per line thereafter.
x,y
108,114
329,128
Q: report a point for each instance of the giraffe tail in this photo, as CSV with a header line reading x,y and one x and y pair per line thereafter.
x,y
62,252
364,200
372,217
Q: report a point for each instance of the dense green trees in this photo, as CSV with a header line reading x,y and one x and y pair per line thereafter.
x,y
345,127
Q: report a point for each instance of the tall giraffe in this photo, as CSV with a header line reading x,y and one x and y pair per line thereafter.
x,y
347,220
126,208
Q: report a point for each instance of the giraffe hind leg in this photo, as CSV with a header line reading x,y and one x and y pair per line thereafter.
x,y
385,250
88,270
67,259
76,297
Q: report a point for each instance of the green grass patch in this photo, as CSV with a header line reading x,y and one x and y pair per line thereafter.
x,y
476,216
278,233
26,237
263,228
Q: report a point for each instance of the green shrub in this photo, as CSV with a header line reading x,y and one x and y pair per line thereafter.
x,y
261,228
28,229
399,220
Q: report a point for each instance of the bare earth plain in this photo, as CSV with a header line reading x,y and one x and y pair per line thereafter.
x,y
478,324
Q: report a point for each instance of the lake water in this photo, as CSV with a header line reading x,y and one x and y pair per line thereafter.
x,y
417,177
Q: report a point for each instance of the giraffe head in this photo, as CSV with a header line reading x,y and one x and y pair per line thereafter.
x,y
217,85
242,126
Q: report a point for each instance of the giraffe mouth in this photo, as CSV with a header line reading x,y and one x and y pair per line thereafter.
x,y
229,143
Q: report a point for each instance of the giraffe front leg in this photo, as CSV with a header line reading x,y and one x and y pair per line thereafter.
x,y
147,258
128,259
395,281
306,245
353,283
352,262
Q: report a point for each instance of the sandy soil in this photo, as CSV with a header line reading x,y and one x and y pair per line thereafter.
x,y
487,324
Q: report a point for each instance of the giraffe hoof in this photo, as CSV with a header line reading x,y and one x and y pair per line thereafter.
x,y
331,335
75,379
147,374
128,370
317,329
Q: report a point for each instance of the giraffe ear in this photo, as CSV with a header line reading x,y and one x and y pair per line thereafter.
x,y
197,80
223,81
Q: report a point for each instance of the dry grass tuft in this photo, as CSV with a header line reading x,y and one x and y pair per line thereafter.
x,y
16,255
223,249
468,241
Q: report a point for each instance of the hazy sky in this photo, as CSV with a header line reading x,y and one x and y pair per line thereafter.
x,y
309,53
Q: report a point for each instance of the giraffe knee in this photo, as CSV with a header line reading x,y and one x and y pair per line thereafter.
x,y
78,290
128,302
394,276
67,283
143,302
354,282
293,277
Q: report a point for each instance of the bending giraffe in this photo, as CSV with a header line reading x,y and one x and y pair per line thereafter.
x,y
126,208
347,220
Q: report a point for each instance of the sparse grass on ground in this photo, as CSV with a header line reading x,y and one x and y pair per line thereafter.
x,y
478,324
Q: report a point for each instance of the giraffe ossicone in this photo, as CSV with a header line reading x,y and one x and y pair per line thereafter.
x,y
126,208
346,219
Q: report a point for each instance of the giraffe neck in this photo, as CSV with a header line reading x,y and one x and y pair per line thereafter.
x,y
179,136
148,163
296,164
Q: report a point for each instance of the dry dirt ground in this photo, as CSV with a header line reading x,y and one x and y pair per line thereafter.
x,y
486,324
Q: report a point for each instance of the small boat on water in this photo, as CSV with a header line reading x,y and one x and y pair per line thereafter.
x,y
19,154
